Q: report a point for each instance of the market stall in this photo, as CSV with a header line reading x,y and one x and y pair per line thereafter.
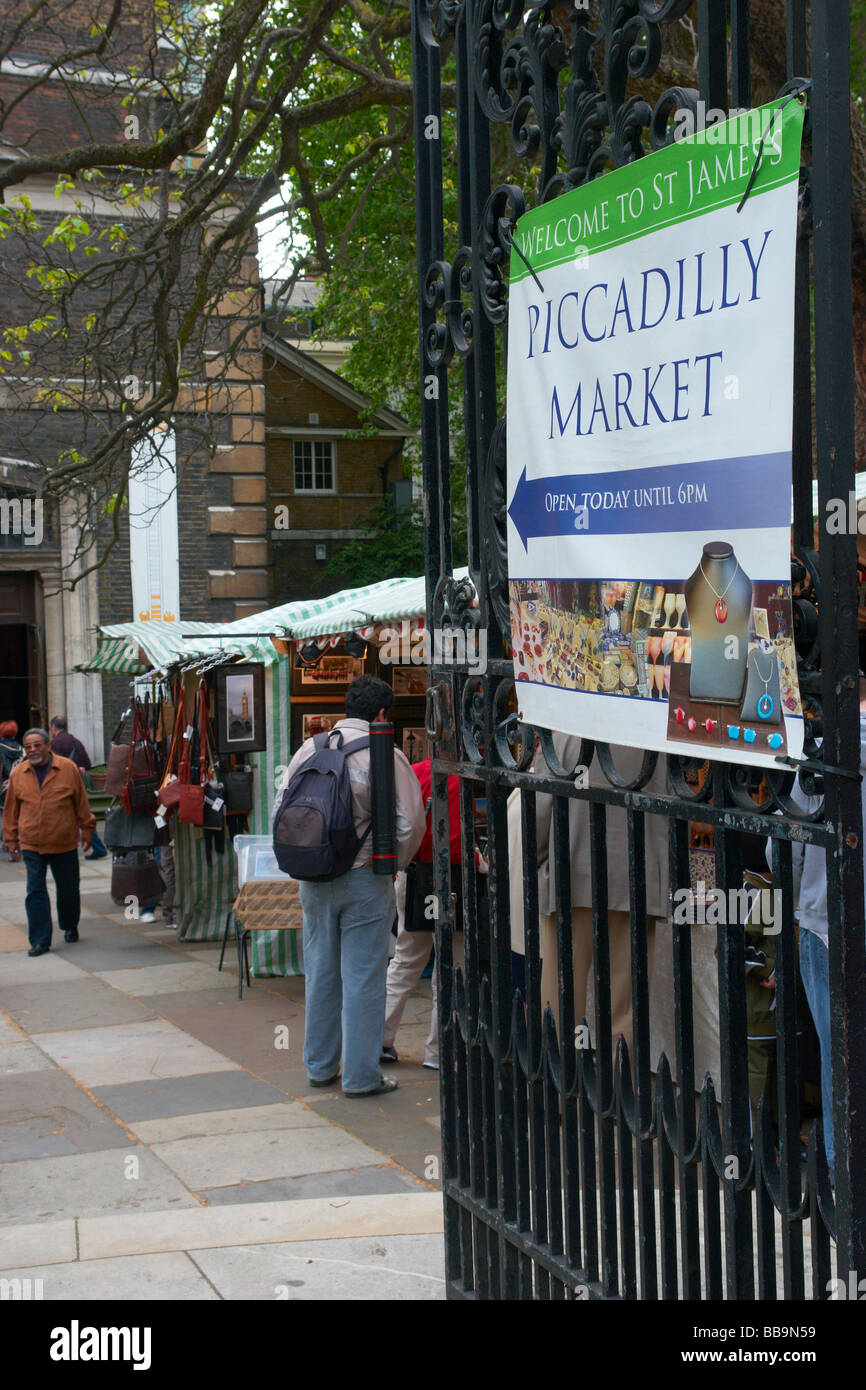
x,y
285,670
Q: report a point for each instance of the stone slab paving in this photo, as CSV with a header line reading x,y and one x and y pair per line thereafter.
x,y
129,1052
19,969
201,1228
22,1057
77,1185
174,1277
186,1095
172,977
13,939
255,1155
46,1113
46,1008
146,1113
350,1182
284,1115
386,1267
9,1031
118,950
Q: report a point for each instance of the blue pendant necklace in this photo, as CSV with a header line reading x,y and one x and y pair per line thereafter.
x,y
766,703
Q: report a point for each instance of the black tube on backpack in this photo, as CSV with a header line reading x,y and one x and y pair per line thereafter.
x,y
383,805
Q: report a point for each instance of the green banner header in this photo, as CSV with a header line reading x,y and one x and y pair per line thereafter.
x,y
692,176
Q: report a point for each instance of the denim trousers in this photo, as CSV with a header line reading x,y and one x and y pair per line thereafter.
x,y
347,934
64,868
815,970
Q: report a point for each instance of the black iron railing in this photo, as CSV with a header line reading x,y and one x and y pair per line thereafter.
x,y
575,1171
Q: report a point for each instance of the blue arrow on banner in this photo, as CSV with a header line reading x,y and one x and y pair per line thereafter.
x,y
733,494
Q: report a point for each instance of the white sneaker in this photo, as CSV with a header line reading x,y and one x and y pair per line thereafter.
x,y
147,917
431,1066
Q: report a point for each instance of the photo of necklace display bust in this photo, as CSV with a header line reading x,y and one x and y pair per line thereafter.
x,y
718,602
762,700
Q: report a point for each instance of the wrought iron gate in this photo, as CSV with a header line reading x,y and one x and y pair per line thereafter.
x,y
571,1172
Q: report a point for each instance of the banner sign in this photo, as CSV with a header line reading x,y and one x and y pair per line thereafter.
x,y
153,540
650,384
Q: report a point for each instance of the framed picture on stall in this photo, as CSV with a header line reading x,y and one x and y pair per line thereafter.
x,y
329,676
315,722
240,708
415,743
410,682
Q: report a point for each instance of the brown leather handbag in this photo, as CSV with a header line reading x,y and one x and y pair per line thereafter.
x,y
141,780
136,875
118,755
169,791
190,807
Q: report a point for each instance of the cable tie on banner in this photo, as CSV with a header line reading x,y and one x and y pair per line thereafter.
x,y
803,87
812,765
508,232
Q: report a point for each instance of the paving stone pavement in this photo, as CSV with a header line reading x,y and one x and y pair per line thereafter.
x,y
159,1140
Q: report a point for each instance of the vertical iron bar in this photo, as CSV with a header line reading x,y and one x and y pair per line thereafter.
x,y
500,974
604,1060
736,1114
636,830
681,940
741,82
765,1212
429,224
713,52
834,404
787,1071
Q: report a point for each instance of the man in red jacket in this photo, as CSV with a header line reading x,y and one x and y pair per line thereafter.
x,y
413,948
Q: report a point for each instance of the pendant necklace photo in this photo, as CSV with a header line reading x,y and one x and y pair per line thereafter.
x,y
766,703
721,609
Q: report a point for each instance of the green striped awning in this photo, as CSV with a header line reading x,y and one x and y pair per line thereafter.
x,y
120,654
143,646
377,603
285,620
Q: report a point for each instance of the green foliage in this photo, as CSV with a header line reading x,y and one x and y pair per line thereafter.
x,y
858,48
394,549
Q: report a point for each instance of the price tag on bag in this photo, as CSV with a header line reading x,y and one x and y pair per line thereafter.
x,y
188,731
159,821
217,804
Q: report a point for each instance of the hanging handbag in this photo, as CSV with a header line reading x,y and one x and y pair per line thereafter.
x,y
190,807
118,755
123,831
141,782
136,875
238,782
169,791
214,792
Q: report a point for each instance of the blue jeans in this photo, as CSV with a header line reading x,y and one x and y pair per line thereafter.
x,y
96,845
815,970
64,869
347,933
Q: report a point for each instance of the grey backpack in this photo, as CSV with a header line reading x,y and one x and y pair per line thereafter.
x,y
314,828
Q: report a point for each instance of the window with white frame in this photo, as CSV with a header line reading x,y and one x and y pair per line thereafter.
x,y
314,465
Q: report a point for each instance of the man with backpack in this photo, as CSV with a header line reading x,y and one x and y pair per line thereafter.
x,y
322,824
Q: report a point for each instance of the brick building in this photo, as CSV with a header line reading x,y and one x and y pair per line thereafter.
x,y
322,478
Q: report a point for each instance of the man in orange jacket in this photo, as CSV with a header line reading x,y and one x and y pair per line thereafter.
x,y
46,804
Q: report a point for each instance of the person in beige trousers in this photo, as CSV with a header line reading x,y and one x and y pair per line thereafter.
x,y
628,761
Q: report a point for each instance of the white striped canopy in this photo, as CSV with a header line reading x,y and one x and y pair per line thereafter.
x,y
137,647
